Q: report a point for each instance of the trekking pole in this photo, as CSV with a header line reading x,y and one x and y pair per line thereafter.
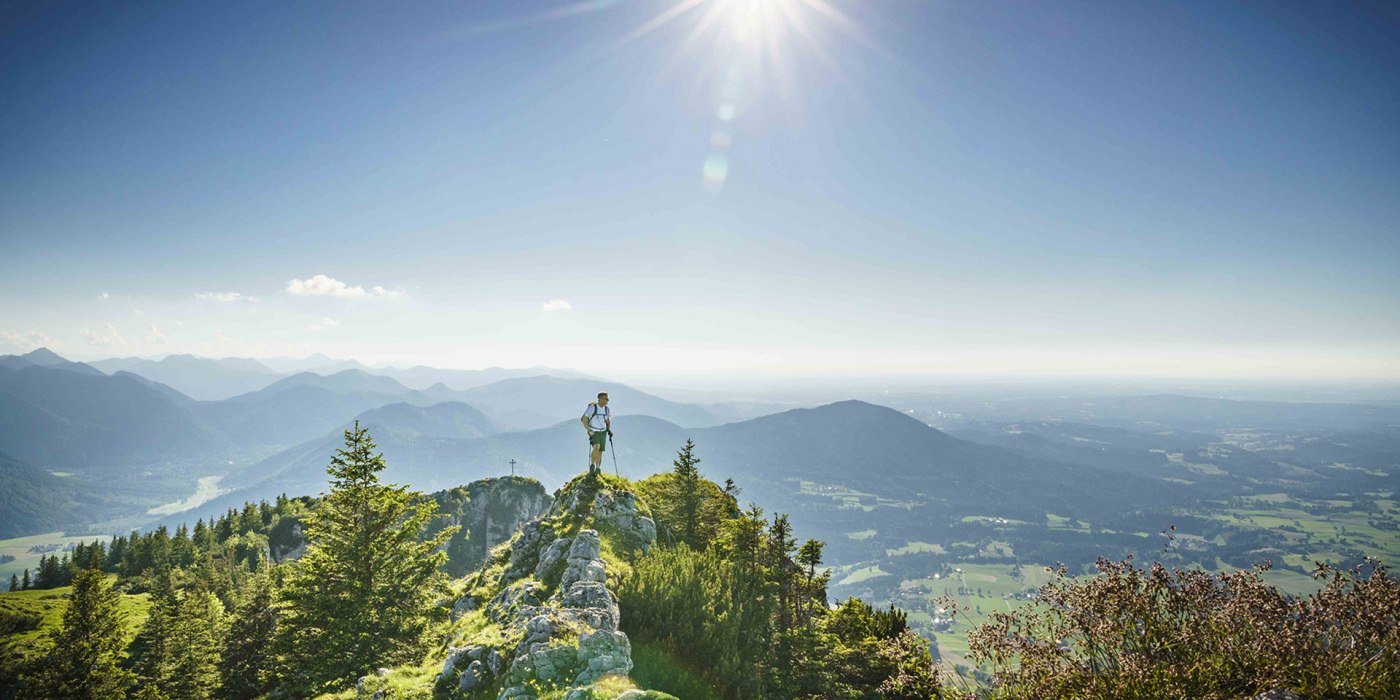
x,y
613,445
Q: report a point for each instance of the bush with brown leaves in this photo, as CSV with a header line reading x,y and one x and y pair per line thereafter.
x,y
1155,632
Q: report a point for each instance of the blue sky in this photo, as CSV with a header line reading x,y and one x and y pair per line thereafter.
x,y
1147,189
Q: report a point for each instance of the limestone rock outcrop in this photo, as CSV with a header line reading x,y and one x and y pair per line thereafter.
x,y
553,623
489,511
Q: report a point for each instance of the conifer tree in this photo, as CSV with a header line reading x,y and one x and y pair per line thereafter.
x,y
362,595
779,549
82,663
14,582
154,644
688,494
198,634
813,592
246,665
24,583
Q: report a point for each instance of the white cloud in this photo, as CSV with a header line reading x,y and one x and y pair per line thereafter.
x,y
103,296
556,305
323,324
155,337
323,286
108,337
24,342
224,297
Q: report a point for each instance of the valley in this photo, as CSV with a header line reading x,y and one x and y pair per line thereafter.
x,y
918,498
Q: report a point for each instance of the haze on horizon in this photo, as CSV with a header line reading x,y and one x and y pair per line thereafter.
x,y
784,188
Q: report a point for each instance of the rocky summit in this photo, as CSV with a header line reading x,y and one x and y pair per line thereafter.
x,y
537,619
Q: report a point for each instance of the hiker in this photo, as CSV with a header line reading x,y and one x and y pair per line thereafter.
x,y
597,420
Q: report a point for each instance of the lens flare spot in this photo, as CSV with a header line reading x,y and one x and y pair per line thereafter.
x,y
715,171
726,112
720,140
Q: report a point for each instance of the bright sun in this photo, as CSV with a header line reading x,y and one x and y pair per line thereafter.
x,y
752,48
763,25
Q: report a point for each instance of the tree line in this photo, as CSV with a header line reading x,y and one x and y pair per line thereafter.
x,y
735,589
225,621
219,552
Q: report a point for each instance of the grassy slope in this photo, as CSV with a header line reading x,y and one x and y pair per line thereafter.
x,y
51,604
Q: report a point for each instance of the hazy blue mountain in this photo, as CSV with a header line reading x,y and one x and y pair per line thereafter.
x,y
881,451
177,397
422,377
1196,413
869,448
112,365
349,381
32,500
536,402
54,417
452,420
14,362
321,364
1151,412
302,407
420,450
1216,466
427,446
44,357
198,377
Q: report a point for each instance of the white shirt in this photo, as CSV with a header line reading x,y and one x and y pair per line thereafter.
x,y
597,416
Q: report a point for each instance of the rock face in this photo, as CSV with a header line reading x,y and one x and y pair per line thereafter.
x,y
554,620
287,543
489,511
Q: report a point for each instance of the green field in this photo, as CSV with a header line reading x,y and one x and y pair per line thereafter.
x,y
50,604
978,573
27,550
864,573
978,589
916,548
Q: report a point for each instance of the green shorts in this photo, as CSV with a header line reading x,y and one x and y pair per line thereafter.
x,y
599,438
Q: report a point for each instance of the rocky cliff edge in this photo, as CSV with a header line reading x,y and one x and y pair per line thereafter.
x,y
537,621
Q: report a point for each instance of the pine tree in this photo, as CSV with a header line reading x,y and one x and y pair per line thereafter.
x,y
154,644
246,665
810,557
198,634
780,547
24,583
47,575
744,541
363,593
688,494
14,583
82,663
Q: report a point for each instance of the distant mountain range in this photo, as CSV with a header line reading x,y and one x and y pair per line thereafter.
x,y
535,402
301,407
121,433
43,357
52,416
32,500
67,416
199,378
853,444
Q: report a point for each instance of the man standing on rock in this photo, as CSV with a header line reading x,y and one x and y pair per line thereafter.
x,y
597,420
